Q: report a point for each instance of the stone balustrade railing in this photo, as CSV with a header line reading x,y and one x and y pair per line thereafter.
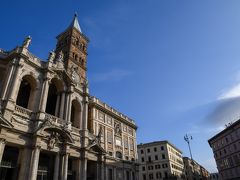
x,y
23,111
7,164
94,99
54,119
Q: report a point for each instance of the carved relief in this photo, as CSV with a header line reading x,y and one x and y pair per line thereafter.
x,y
117,129
74,75
53,139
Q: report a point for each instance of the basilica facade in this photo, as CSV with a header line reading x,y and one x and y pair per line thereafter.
x,y
51,128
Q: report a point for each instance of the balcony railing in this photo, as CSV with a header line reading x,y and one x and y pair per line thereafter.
x,y
54,119
23,111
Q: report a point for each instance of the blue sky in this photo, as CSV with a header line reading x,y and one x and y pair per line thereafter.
x,y
173,66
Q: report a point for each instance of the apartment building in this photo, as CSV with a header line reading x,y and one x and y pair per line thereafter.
x,y
226,149
160,160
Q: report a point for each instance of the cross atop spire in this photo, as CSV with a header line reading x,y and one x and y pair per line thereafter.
x,y
75,23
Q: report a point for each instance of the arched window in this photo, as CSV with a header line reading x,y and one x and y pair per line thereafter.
x,y
52,99
24,94
76,114
25,97
119,154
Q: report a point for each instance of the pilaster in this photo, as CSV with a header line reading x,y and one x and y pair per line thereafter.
x,y
65,166
2,147
56,167
6,87
44,94
25,163
34,163
84,165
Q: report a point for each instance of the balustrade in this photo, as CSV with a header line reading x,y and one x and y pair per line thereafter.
x,y
23,111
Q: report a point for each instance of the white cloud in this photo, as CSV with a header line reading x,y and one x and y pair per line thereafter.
x,y
233,92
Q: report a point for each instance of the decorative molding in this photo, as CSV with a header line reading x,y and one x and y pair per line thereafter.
x,y
47,125
5,123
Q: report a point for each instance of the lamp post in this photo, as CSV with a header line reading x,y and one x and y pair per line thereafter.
x,y
187,138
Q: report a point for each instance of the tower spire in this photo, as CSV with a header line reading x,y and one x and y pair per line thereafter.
x,y
75,23
73,44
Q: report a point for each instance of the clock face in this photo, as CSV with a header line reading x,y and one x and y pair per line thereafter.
x,y
75,77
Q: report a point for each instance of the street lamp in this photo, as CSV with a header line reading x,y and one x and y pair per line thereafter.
x,y
187,138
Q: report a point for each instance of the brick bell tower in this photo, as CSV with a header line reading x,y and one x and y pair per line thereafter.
x,y
73,44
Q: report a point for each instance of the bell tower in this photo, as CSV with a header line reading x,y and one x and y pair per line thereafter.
x,y
72,43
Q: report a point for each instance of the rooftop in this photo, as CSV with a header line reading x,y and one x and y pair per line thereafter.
x,y
154,143
111,110
230,127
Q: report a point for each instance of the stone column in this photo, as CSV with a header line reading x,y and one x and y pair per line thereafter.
x,y
84,169
15,85
69,104
62,105
44,95
69,107
98,171
34,163
9,78
130,174
57,105
25,163
65,166
102,170
114,173
78,169
129,147
85,114
2,147
56,167
61,166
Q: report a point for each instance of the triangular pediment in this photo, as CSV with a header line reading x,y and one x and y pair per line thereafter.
x,y
65,75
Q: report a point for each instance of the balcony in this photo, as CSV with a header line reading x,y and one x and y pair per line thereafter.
x,y
23,112
55,119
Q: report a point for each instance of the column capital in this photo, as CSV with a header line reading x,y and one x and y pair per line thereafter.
x,y
47,79
36,146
